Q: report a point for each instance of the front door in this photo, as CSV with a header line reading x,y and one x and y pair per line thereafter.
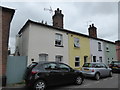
x,y
94,58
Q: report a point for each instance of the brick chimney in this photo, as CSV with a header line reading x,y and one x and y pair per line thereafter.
x,y
92,31
118,49
58,18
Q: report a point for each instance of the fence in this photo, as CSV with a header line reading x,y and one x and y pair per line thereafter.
x,y
16,66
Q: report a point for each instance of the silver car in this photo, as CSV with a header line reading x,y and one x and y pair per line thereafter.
x,y
96,70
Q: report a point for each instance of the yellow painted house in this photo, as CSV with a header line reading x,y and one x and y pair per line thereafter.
x,y
79,50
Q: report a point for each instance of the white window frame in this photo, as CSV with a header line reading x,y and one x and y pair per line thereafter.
x,y
77,61
76,42
43,54
58,58
58,39
100,58
99,46
107,48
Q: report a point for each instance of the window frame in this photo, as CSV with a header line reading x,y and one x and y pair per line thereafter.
x,y
44,55
100,58
76,44
77,61
57,57
58,37
107,48
99,46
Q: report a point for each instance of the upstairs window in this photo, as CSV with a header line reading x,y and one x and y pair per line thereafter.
x,y
107,48
76,42
99,46
58,39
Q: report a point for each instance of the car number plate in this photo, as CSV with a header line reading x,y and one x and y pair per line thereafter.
x,y
86,69
114,67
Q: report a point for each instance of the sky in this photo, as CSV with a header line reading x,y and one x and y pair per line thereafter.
x,y
77,17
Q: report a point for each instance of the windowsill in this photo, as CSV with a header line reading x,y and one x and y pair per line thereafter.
x,y
107,51
99,50
76,47
59,45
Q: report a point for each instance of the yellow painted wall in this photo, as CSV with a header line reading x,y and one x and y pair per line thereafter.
x,y
83,50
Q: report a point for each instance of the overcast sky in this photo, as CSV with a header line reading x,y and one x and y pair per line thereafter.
x,y
77,17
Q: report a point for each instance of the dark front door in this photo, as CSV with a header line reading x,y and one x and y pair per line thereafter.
x,y
94,58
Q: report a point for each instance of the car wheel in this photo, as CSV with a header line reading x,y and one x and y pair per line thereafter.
x,y
79,80
39,85
110,74
97,76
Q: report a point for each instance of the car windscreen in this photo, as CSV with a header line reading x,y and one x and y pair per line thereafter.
x,y
89,65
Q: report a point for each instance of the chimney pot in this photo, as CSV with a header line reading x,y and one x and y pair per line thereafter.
x,y
92,25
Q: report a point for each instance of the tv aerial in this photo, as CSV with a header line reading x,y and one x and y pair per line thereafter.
x,y
49,9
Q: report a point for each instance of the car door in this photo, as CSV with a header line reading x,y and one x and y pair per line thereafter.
x,y
67,73
104,70
53,75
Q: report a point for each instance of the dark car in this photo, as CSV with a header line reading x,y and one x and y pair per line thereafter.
x,y
115,66
29,69
52,73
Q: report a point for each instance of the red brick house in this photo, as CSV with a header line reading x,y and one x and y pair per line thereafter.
x,y
118,49
6,15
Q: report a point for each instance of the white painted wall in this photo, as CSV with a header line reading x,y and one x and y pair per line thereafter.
x,y
94,50
42,40
22,42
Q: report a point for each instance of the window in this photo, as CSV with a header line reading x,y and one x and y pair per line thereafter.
x,y
50,66
103,66
64,67
76,42
58,58
99,46
107,48
108,62
77,61
43,57
100,59
58,40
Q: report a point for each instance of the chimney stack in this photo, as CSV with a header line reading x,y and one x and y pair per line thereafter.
x,y
92,31
58,18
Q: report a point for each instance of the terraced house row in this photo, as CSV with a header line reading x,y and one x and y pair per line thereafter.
x,y
42,42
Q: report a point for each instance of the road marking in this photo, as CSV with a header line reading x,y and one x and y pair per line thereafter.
x,y
105,79
111,78
86,85
97,81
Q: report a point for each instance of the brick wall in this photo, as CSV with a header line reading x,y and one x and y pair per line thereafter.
x,y
6,17
0,41
118,49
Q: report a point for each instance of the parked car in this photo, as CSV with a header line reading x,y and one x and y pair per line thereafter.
x,y
115,66
29,69
96,70
52,73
